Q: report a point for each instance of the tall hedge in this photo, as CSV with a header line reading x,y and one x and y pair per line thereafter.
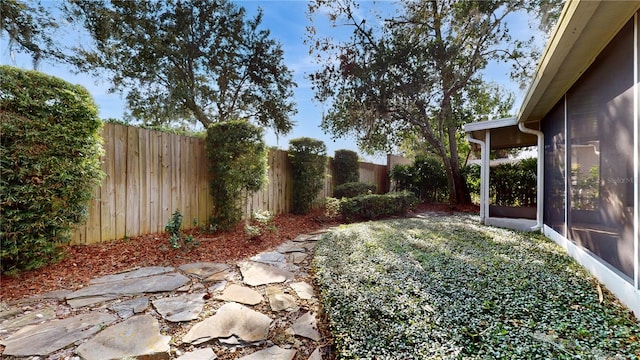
x,y
238,163
50,149
426,178
345,167
514,184
511,184
308,162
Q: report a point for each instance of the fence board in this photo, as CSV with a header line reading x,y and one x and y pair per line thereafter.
x,y
150,174
166,178
120,175
145,186
108,190
133,183
155,200
204,200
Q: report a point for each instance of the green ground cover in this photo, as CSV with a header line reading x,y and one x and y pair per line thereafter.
x,y
447,287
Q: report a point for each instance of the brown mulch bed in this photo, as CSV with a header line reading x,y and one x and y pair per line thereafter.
x,y
84,262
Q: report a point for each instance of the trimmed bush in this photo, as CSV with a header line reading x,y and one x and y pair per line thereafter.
x,y
426,177
375,206
402,175
238,165
471,175
49,165
345,167
512,184
353,189
308,162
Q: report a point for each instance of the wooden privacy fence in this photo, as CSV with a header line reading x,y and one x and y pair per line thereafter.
x,y
150,174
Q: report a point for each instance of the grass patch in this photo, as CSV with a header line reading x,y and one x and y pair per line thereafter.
x,y
447,287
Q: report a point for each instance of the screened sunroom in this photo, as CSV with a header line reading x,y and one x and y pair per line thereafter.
x,y
582,110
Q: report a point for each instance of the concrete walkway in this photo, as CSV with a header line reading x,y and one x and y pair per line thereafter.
x,y
264,307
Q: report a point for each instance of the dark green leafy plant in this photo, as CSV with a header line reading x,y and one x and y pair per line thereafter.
x,y
49,165
511,184
238,166
353,189
177,239
375,206
308,162
345,167
426,177
203,59
471,175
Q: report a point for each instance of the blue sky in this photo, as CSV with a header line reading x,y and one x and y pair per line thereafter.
x,y
287,22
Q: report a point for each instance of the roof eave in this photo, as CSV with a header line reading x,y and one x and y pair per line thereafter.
x,y
582,32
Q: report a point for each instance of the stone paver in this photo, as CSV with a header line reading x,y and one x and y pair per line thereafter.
x,y
272,257
290,247
55,334
91,300
29,328
296,257
128,308
230,319
307,326
133,274
303,290
279,301
33,317
302,238
132,286
240,294
138,336
180,308
316,355
219,286
255,273
200,354
204,269
273,353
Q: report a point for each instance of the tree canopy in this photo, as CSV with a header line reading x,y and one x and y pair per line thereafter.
x,y
28,28
416,73
198,60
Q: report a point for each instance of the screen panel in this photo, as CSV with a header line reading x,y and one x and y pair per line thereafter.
x,y
600,166
554,176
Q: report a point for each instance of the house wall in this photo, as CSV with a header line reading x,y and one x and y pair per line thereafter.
x,y
591,171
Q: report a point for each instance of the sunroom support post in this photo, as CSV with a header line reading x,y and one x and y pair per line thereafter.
x,y
483,196
486,168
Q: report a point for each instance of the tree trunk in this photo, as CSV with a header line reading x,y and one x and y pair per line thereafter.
x,y
459,194
198,113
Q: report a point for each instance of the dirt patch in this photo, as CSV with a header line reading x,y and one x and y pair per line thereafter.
x,y
84,262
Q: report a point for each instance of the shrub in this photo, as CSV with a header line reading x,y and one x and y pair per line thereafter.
x,y
308,162
262,220
331,207
402,175
471,175
49,165
426,177
375,206
345,167
176,237
512,184
353,189
238,165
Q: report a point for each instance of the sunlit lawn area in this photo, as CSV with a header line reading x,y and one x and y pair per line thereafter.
x,y
447,287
